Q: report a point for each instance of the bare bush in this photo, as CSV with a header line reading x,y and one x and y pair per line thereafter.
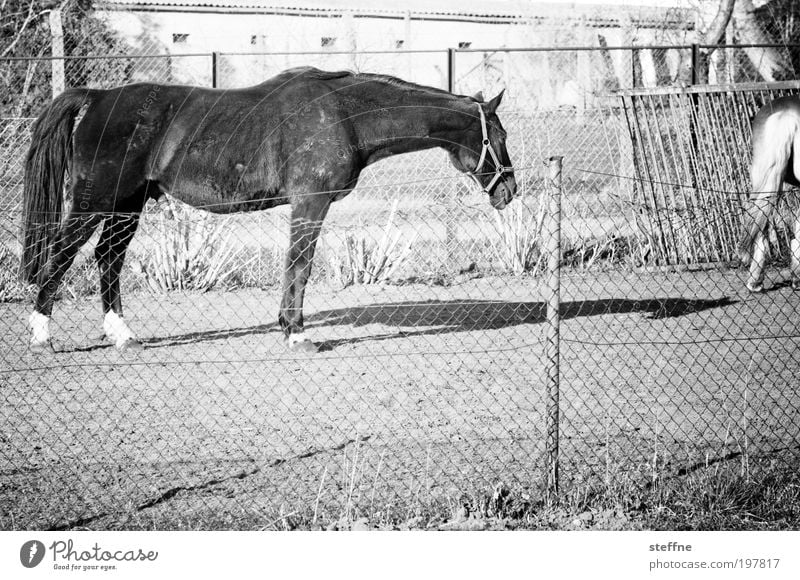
x,y
519,249
193,251
360,259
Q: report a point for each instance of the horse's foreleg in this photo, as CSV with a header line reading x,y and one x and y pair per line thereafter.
x,y
118,231
772,148
75,232
306,223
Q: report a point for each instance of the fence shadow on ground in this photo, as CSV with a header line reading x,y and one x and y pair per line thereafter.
x,y
431,317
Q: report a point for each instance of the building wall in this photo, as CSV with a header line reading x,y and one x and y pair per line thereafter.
x,y
539,79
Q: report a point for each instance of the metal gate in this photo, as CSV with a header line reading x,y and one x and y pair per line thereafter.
x,y
691,157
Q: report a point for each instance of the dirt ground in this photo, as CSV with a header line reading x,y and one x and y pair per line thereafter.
x,y
421,393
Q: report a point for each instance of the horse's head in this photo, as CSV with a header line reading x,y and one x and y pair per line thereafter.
x,y
482,153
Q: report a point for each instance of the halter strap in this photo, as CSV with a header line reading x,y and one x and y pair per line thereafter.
x,y
486,146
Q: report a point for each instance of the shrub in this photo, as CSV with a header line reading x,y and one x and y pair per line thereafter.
x,y
359,259
193,251
12,289
520,229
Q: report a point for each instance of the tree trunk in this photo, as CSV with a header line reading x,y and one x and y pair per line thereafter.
x,y
770,62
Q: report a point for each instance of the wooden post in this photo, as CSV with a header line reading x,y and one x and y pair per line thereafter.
x,y
553,248
407,44
57,63
350,45
730,55
214,69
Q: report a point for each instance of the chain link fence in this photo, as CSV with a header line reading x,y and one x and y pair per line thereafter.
x,y
430,309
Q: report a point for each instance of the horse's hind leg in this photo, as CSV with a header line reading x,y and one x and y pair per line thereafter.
x,y
795,250
118,231
74,233
755,282
762,207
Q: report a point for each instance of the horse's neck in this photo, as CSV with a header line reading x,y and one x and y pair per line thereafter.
x,y
420,122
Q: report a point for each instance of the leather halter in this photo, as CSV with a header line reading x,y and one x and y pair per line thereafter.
x,y
486,146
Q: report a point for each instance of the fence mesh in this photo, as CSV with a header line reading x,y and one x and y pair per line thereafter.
x,y
429,310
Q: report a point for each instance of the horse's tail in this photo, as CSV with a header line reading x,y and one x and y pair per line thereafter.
x,y
775,138
45,166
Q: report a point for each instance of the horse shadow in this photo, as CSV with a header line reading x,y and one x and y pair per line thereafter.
x,y
421,318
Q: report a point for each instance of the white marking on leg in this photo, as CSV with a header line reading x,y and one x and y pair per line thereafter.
x,y
40,325
295,338
116,329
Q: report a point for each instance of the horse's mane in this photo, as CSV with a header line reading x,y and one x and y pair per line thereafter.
x,y
322,75
398,82
316,74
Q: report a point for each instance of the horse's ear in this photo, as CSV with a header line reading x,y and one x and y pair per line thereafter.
x,y
492,105
478,96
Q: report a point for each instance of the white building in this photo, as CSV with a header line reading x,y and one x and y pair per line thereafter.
x,y
351,34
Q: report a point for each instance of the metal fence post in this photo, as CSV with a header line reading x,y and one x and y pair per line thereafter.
x,y
553,323
214,79
451,70
696,64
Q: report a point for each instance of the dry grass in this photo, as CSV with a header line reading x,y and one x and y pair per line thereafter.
x,y
713,497
12,289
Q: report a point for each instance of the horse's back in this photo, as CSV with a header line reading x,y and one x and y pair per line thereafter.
x,y
205,145
146,132
776,141
782,105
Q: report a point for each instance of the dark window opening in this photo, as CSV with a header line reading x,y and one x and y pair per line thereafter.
x,y
328,41
180,38
399,43
464,44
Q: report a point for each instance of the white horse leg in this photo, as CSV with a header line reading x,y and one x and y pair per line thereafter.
x,y
40,327
118,332
755,282
795,250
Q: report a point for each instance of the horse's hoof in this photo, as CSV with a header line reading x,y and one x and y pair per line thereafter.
x,y
40,347
131,345
304,346
755,288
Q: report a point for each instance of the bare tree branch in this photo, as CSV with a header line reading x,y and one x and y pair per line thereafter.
x,y
28,19
717,27
770,62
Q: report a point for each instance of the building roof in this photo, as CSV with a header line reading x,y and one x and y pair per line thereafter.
x,y
498,11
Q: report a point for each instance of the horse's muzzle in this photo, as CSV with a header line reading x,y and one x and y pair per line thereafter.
x,y
503,193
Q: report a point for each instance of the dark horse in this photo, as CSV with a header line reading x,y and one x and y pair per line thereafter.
x,y
776,159
302,138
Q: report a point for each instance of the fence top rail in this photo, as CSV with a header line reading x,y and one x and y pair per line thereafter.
x,y
105,56
336,52
699,89
579,48
340,52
